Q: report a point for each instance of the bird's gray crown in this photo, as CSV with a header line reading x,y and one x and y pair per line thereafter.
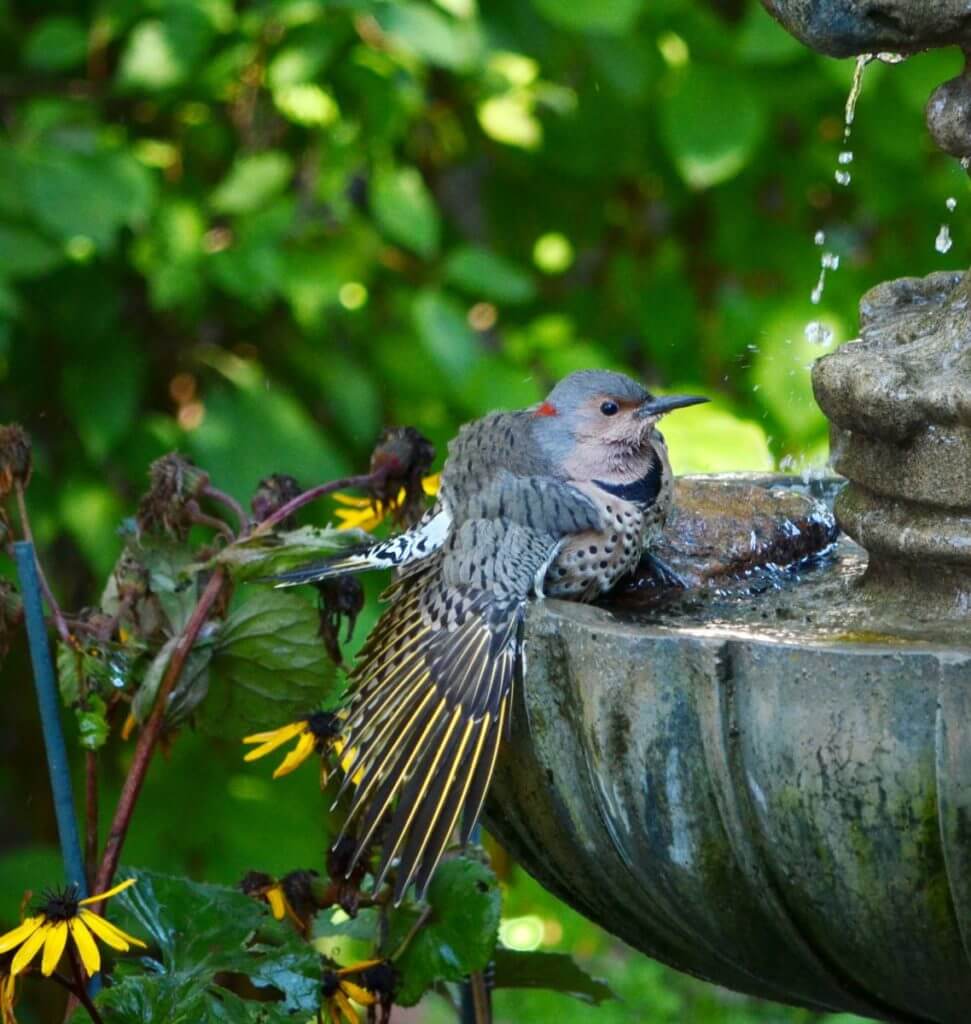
x,y
578,387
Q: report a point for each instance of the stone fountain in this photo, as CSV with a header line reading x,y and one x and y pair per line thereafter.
x,y
767,781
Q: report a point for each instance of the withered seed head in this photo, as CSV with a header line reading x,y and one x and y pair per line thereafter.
x,y
11,612
174,482
404,456
16,463
341,597
272,494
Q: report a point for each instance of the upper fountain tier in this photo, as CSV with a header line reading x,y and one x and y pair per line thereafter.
x,y
842,28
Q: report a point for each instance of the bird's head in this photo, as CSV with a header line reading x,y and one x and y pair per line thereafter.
x,y
606,414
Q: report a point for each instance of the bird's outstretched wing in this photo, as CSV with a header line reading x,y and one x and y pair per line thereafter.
x,y
414,545
432,694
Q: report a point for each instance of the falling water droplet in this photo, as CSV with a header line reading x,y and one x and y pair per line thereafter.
x,y
787,463
843,177
854,95
830,261
819,238
817,333
943,241
890,58
846,157
951,203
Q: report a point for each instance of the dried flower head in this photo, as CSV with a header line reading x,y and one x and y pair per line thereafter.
x,y
16,463
403,457
175,484
341,597
272,494
11,612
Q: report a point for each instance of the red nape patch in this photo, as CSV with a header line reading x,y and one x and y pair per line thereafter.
x,y
545,409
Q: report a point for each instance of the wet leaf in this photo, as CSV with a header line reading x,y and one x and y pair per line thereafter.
x,y
557,972
269,666
460,935
92,724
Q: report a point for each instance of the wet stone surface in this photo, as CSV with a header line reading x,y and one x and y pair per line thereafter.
x,y
723,529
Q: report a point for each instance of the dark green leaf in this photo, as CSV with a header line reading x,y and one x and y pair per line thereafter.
x,y
56,44
25,253
459,936
269,666
482,274
405,210
189,691
557,972
607,16
445,334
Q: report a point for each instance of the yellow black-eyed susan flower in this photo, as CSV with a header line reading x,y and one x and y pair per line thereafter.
x,y
369,983
61,916
291,897
317,732
366,513
8,990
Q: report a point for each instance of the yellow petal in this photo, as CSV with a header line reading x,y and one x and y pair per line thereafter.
x,y
129,727
53,947
29,949
432,484
269,741
110,933
358,994
297,756
343,1005
363,519
86,946
113,891
21,932
350,499
277,901
363,965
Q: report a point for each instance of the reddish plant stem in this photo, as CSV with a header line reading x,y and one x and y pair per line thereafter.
x,y
229,502
90,816
148,738
59,622
79,990
364,480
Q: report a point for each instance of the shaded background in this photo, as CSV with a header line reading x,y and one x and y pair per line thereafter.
x,y
258,232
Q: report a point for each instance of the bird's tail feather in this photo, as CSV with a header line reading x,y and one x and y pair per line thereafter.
x,y
428,712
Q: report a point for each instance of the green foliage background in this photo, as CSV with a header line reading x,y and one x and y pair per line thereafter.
x,y
259,231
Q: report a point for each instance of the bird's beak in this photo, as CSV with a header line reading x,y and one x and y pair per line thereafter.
x,y
666,403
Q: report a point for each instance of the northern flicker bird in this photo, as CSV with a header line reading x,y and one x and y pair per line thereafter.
x,y
562,500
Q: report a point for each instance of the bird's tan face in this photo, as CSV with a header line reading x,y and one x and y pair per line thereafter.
x,y
612,441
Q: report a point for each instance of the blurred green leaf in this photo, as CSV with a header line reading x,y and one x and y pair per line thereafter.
x,y
93,724
405,210
57,43
445,334
482,274
712,124
161,52
762,40
25,253
608,16
460,935
268,667
428,33
251,182
557,972
741,444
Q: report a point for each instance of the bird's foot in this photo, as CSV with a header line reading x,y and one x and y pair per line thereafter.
x,y
663,574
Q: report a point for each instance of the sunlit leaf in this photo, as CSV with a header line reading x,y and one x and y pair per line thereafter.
x,y
445,334
428,33
252,182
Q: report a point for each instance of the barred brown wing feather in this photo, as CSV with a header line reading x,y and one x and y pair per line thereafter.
x,y
426,718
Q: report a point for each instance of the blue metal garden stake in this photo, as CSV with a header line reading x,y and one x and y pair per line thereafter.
x,y
47,701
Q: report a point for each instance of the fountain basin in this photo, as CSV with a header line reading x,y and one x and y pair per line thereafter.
x,y
769,791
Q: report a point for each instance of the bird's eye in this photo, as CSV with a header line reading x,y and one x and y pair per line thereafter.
x,y
609,408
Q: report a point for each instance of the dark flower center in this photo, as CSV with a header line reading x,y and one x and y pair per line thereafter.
x,y
60,904
325,727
